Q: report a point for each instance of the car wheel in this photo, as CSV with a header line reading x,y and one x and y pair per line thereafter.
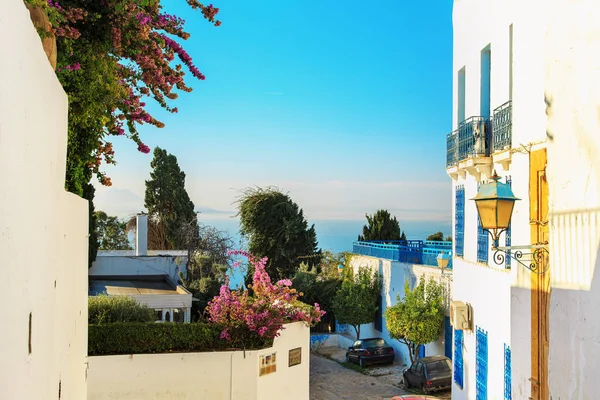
x,y
403,383
361,362
424,389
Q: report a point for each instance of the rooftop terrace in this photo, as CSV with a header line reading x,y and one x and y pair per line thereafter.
x,y
423,252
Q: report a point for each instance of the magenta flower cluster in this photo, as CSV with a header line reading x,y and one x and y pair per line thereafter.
x,y
266,311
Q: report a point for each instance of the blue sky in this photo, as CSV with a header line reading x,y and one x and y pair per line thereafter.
x,y
346,108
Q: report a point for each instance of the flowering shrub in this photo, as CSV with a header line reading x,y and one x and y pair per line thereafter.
x,y
265,311
111,55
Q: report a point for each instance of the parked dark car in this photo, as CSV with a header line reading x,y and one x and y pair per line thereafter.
x,y
370,351
430,374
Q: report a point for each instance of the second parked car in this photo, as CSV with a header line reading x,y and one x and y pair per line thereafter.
x,y
370,351
429,374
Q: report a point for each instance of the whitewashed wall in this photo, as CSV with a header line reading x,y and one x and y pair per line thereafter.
x,y
394,275
139,265
198,376
43,229
500,299
573,92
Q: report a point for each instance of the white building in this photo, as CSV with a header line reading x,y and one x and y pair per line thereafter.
x,y
572,87
499,123
395,266
149,276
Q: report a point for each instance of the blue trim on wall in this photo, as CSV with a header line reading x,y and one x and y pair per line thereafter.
x,y
458,358
481,364
459,222
507,373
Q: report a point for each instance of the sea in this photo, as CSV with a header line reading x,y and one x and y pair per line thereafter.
x,y
333,235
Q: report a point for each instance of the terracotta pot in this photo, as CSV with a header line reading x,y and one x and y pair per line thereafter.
x,y
40,21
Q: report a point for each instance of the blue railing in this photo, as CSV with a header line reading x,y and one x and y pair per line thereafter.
x,y
408,251
502,127
474,138
481,364
451,149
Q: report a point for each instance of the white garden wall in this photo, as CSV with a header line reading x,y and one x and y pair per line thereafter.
x,y
43,229
210,376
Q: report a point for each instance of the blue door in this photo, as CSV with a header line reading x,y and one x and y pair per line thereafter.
x,y
421,351
447,338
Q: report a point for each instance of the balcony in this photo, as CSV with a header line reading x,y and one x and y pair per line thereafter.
x,y
502,134
468,148
407,251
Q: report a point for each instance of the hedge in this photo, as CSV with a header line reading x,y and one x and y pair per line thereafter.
x,y
105,309
144,338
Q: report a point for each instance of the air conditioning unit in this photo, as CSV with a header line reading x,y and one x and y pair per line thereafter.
x,y
461,315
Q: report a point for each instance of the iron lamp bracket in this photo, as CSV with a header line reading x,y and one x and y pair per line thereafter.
x,y
531,256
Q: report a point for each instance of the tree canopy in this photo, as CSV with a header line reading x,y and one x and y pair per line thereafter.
x,y
381,226
355,303
439,237
275,227
111,232
168,203
418,318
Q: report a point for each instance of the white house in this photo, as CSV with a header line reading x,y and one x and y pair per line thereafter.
x,y
149,276
396,264
499,123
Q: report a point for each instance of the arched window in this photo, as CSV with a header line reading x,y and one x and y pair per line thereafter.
x,y
168,317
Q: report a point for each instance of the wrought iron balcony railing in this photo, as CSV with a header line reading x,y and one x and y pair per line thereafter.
x,y
474,138
451,149
408,251
502,127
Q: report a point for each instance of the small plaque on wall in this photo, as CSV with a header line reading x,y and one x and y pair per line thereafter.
x,y
267,364
295,357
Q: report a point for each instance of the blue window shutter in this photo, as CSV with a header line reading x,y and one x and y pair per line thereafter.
x,y
458,358
507,374
459,223
481,364
482,241
508,233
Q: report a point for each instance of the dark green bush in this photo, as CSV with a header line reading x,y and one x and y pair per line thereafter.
x,y
109,309
144,338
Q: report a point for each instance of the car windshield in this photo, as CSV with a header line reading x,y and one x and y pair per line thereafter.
x,y
438,368
375,343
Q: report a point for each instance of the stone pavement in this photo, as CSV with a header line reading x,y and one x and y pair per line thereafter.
x,y
329,379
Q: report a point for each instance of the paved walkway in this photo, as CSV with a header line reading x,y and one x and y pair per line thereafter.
x,y
330,380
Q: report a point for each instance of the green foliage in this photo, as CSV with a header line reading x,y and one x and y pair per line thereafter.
x,y
276,228
448,238
355,303
144,338
417,319
110,309
381,226
167,200
203,279
318,288
111,232
438,237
